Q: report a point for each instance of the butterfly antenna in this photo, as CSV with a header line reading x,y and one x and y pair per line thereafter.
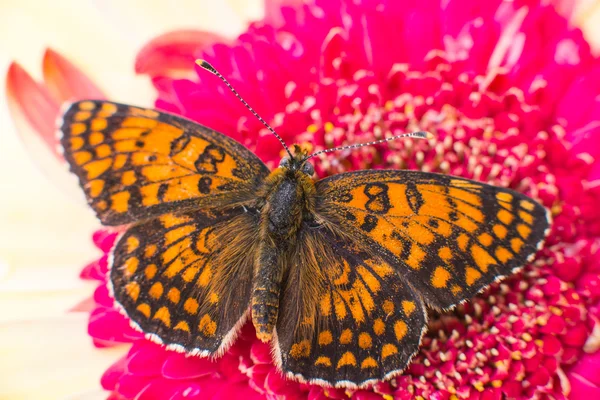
x,y
418,135
205,65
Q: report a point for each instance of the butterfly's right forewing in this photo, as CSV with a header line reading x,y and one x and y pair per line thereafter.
x,y
135,163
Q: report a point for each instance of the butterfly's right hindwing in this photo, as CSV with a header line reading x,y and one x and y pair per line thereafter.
x,y
185,279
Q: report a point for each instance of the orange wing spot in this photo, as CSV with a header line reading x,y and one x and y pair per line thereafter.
x,y
81,157
213,298
346,336
130,266
364,340
82,116
400,330
439,278
500,231
524,230
176,234
503,196
150,271
465,196
381,270
174,256
325,305
388,350
76,143
144,309
527,205
325,338
126,146
207,326
120,202
120,161
137,122
101,205
96,187
143,112
190,273
133,290
371,281
525,216
150,250
170,220
466,224
87,105
505,217
191,306
95,138
485,239
109,108
128,133
516,244
300,349
482,258
132,243
503,255
150,195
456,289
205,276
472,275
155,173
325,361
103,151
156,291
340,307
98,124
463,241
408,307
378,327
164,316
182,326
96,168
368,362
345,271
78,128
416,256
445,253
346,359
419,233
128,178
174,295
388,307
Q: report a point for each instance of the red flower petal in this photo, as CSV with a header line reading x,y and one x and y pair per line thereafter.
x,y
179,366
32,107
174,52
65,81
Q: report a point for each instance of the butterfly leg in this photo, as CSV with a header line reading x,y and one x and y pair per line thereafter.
x,y
268,274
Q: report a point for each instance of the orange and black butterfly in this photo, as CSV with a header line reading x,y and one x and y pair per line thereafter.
x,y
336,274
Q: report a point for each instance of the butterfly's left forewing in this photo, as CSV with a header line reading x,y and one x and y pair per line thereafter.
x,y
449,237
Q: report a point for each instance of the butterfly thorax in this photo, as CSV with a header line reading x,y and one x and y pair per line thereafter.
x,y
288,196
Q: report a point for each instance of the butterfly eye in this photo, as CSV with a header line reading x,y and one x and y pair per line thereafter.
x,y
308,169
285,162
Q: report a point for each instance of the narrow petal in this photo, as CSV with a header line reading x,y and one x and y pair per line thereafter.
x,y
32,107
173,53
65,81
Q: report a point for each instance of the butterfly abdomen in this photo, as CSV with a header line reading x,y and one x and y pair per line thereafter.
x,y
285,193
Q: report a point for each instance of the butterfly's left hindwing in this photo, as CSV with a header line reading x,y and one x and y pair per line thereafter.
x,y
347,318
449,237
136,163
185,279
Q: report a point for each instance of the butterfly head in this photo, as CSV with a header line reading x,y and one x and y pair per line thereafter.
x,y
297,162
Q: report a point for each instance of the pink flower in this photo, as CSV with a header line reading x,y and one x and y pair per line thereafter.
x,y
510,91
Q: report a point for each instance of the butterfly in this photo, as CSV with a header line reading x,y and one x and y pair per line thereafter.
x,y
336,274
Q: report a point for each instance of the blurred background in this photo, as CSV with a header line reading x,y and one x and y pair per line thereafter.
x,y
44,233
